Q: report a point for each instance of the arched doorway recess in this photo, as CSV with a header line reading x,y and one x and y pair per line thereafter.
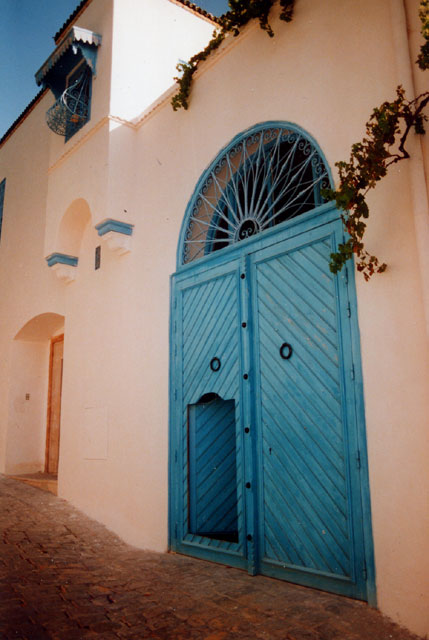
x,y
267,438
33,392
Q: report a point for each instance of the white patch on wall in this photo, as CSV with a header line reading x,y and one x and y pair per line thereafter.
x,y
117,242
95,433
64,272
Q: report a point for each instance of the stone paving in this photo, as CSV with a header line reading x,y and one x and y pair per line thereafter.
x,y
66,577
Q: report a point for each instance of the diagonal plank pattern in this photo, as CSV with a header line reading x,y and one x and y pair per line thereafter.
x,y
268,470
305,508
212,468
210,326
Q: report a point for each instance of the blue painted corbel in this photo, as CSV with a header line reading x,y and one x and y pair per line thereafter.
x,y
63,265
116,234
61,258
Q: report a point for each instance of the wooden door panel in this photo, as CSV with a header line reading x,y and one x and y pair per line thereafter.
x,y
306,509
213,469
54,405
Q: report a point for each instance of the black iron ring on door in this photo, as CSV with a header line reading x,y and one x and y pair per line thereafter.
x,y
215,364
285,351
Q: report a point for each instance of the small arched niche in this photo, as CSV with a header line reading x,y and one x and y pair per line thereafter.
x,y
72,227
65,258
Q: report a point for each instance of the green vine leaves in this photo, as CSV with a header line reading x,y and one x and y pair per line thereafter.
x,y
387,131
423,59
384,144
240,13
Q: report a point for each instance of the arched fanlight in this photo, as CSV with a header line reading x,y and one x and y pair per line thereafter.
x,y
271,174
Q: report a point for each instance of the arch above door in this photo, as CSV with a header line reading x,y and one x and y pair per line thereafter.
x,y
265,373
267,174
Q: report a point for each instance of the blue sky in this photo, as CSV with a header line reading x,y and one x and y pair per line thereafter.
x,y
27,28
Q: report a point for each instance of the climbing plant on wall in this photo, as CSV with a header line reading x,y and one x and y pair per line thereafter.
x,y
240,13
387,132
384,144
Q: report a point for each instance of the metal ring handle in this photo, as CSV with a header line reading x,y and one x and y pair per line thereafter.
x,y
285,351
215,364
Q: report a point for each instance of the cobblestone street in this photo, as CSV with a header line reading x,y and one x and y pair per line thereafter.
x,y
64,576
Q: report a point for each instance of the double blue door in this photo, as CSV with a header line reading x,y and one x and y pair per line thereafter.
x,y
267,458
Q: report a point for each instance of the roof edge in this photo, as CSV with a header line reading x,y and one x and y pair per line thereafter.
x,y
85,3
23,115
201,13
72,17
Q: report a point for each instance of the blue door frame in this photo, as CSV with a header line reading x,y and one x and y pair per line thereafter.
x,y
300,441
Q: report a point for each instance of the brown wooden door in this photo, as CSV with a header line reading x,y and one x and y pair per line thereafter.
x,y
54,404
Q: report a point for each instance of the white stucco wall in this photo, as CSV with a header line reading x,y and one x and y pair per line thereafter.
x,y
114,431
149,39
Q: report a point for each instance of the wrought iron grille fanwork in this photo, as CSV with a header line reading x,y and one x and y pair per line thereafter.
x,y
270,175
70,112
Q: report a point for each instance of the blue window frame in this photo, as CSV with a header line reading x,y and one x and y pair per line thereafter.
x,y
73,108
68,73
2,190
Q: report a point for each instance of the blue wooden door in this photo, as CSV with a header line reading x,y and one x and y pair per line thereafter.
x,y
309,493
282,411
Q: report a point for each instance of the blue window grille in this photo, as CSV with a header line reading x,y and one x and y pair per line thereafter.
x,y
266,176
72,110
2,190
